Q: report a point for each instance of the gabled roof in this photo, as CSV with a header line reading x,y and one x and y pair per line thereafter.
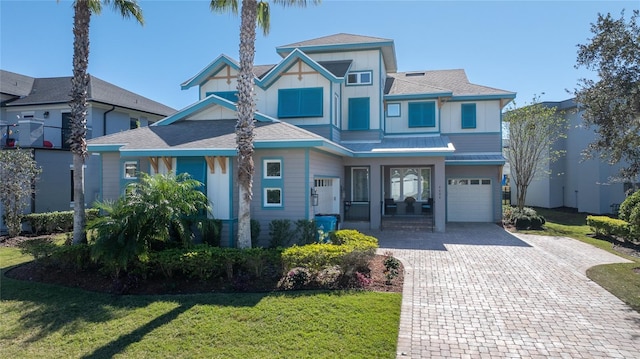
x,y
206,137
55,90
15,84
289,61
215,66
338,68
345,42
438,82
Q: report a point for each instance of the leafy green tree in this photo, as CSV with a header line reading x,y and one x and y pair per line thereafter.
x,y
18,172
159,208
612,103
79,89
533,131
254,13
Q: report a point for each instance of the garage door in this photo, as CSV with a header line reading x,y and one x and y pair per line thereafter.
x,y
469,200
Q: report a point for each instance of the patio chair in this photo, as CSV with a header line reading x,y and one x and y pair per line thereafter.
x,y
390,206
427,207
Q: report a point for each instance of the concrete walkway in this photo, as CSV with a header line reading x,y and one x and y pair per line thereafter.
x,y
478,291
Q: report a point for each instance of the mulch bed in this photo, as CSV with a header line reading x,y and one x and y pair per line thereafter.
x,y
93,280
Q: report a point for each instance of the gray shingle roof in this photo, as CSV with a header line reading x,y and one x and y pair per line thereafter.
x,y
437,81
336,39
57,89
261,70
201,134
15,84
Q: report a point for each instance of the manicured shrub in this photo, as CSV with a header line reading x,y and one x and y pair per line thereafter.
x,y
210,230
391,268
76,257
280,232
54,222
607,226
630,212
39,248
306,231
522,219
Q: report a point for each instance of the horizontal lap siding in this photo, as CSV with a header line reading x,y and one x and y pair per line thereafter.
x,y
476,142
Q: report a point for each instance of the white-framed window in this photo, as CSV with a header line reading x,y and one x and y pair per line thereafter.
x,y
130,170
360,184
393,110
272,197
272,169
411,182
360,78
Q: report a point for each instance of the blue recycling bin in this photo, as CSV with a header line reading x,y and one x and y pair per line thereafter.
x,y
326,224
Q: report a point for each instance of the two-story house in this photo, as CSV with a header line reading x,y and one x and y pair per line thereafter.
x,y
35,115
338,130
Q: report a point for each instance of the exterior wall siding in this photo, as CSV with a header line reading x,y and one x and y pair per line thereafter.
x,y
476,143
110,176
54,185
487,117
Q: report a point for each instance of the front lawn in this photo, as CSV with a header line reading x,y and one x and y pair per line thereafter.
x,y
49,321
620,279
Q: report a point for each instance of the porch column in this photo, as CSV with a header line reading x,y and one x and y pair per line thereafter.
x,y
439,188
375,196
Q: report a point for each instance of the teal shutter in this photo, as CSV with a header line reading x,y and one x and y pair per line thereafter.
x,y
468,115
304,102
359,113
196,167
422,114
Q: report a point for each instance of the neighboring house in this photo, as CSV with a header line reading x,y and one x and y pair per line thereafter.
x,y
34,114
338,131
572,181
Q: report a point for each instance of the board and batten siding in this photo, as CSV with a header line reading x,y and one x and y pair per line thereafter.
x,y
219,83
487,117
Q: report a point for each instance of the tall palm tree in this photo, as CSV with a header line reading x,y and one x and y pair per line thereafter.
x,y
254,13
79,88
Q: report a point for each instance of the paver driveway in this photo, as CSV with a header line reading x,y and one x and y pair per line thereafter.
x,y
479,291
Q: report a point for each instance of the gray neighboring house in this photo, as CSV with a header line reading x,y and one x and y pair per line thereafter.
x,y
34,114
586,185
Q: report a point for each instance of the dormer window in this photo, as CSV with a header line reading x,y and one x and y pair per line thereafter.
x,y
359,78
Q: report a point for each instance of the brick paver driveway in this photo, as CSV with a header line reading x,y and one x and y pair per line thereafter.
x,y
479,291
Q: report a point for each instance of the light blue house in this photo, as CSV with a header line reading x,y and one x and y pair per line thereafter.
x,y
338,130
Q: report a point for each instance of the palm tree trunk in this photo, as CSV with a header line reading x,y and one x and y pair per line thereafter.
x,y
78,104
245,125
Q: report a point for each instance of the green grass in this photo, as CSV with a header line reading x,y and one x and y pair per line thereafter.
x,y
49,321
620,278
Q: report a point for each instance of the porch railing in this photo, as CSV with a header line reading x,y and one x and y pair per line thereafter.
x,y
357,211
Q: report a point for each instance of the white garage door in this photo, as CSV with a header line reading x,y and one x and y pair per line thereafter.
x,y
469,200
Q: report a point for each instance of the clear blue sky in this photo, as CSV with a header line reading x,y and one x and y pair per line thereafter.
x,y
525,47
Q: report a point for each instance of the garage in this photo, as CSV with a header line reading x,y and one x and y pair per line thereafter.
x,y
469,200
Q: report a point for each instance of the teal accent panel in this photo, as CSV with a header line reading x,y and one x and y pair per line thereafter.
x,y
359,113
227,95
422,114
468,115
196,167
303,102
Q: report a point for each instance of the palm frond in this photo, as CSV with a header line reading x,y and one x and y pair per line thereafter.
x,y
224,6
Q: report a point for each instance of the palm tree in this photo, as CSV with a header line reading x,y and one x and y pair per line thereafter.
x,y
254,13
79,88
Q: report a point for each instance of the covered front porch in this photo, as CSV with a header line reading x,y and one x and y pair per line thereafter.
x,y
401,193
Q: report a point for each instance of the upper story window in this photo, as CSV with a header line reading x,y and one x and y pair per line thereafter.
x,y
468,115
422,114
360,78
133,123
227,95
300,102
393,110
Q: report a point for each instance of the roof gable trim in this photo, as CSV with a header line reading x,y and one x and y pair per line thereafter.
x,y
215,66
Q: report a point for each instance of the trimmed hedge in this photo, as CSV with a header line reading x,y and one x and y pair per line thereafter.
x,y
522,219
345,244
603,225
53,222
